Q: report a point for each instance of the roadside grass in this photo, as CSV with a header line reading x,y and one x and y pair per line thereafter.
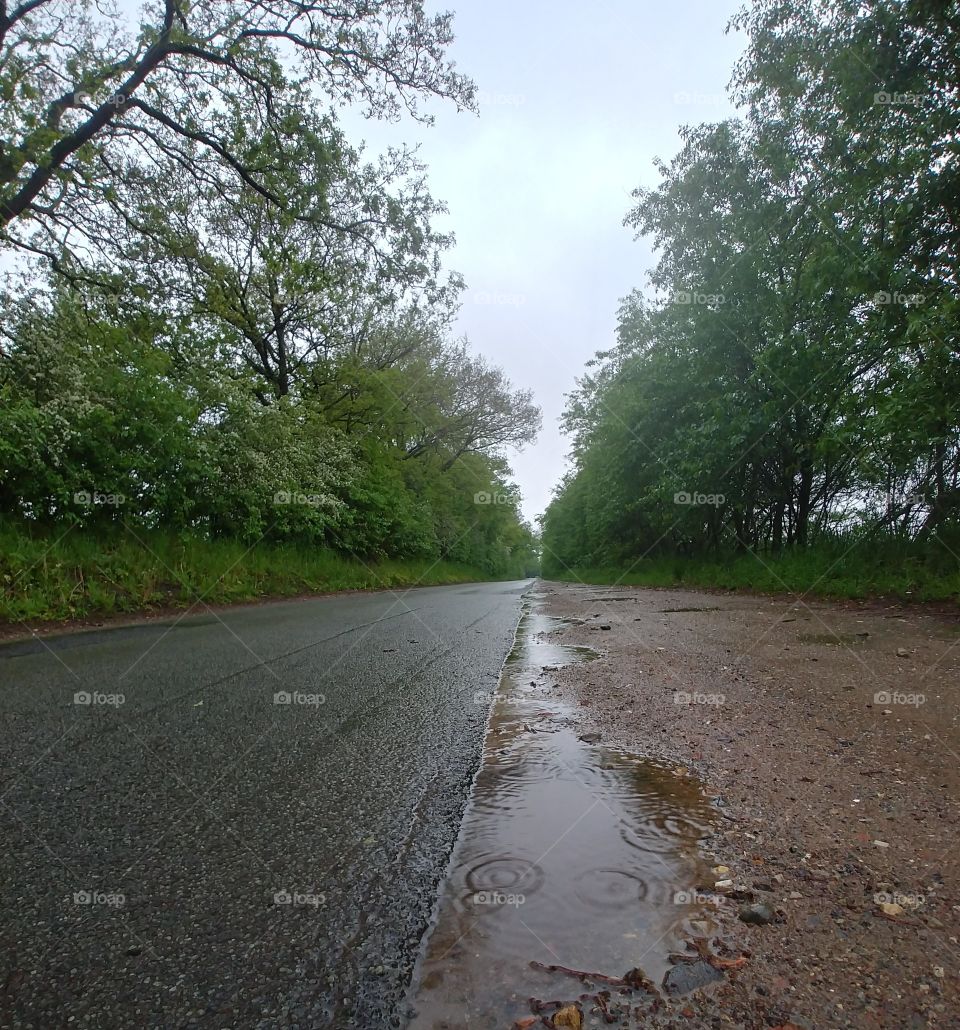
x,y
46,576
830,571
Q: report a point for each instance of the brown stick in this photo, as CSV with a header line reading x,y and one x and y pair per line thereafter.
x,y
581,974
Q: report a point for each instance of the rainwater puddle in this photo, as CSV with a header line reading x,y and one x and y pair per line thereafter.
x,y
833,639
570,854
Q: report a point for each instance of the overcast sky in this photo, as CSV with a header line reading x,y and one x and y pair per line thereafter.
x,y
576,100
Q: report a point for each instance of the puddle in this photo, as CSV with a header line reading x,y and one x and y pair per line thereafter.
x,y
674,611
570,854
834,639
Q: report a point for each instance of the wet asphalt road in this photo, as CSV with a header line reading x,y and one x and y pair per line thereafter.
x,y
206,853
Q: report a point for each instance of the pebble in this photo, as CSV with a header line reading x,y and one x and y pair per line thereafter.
x,y
689,976
757,914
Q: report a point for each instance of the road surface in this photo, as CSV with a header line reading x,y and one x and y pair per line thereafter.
x,y
238,819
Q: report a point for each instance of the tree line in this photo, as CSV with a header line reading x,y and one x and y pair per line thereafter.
x,y
224,318
792,374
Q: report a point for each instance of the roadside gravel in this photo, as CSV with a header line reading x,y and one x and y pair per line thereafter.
x,y
829,738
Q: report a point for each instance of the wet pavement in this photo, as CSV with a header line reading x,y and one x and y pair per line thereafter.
x,y
571,854
238,819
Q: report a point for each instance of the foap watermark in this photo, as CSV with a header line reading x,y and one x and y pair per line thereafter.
x,y
691,897
95,697
895,499
299,899
696,499
694,297
911,900
700,99
294,497
288,295
682,697
90,498
485,698
512,300
896,697
907,300
897,99
297,697
111,899
498,898
116,99
486,98
486,497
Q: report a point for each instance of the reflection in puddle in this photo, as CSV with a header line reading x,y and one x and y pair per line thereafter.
x,y
570,854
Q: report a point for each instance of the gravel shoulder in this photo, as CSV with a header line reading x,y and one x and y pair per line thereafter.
x,y
829,738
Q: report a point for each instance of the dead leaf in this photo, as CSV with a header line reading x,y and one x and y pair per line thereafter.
x,y
570,1016
727,963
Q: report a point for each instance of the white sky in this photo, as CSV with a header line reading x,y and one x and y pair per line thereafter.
x,y
577,99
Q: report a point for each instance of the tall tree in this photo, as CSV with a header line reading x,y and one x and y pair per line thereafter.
x,y
84,92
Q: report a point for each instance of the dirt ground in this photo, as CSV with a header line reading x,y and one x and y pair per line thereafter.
x,y
829,738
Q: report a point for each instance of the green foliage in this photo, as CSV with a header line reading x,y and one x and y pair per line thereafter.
x,y
798,364
78,573
91,98
113,435
841,568
234,363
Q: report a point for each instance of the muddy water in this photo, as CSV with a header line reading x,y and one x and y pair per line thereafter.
x,y
570,854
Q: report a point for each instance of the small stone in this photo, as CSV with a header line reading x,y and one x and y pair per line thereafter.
x,y
689,976
757,914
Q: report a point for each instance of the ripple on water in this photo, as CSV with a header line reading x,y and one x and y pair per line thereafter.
x,y
569,853
507,873
604,889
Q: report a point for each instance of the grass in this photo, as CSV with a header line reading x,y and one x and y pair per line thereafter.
x,y
49,576
834,570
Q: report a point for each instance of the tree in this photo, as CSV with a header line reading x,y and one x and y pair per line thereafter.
x,y
253,316
866,95
293,292
84,95
800,359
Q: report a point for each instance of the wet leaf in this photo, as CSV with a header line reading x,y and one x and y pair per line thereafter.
x,y
569,1016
